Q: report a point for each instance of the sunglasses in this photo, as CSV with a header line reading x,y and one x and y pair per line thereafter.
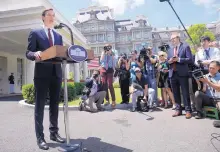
x,y
137,71
161,55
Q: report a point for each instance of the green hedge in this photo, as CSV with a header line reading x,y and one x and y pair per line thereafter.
x,y
28,93
79,87
74,89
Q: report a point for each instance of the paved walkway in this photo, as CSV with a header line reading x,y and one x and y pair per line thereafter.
x,y
110,131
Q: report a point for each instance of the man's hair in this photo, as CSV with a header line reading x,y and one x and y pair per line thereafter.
x,y
205,38
215,62
176,34
45,11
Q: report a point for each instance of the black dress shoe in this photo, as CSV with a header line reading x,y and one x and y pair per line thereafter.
x,y
199,115
42,144
56,137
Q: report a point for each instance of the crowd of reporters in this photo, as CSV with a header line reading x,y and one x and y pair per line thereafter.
x,y
171,69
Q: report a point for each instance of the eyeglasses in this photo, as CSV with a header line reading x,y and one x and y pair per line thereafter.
x,y
173,38
137,71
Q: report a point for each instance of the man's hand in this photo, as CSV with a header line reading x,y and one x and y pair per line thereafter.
x,y
37,55
175,59
205,62
204,79
170,61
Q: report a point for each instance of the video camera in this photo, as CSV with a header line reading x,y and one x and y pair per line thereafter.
x,y
107,48
197,72
144,54
124,56
164,47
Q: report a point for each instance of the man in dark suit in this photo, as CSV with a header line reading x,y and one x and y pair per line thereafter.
x,y
47,77
179,59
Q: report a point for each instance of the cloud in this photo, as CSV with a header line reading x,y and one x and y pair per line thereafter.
x,y
208,3
120,6
204,2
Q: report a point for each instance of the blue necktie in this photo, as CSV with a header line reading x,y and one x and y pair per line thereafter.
x,y
207,54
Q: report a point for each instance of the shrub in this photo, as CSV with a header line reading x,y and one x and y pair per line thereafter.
x,y
79,87
28,93
116,85
71,92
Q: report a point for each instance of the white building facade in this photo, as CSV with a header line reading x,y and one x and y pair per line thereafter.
x,y
17,20
99,27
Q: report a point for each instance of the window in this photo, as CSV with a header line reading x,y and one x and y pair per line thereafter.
x,y
122,38
101,37
85,28
101,27
109,37
109,26
93,38
93,27
146,34
137,35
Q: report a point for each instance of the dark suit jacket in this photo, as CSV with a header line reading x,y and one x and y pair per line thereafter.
x,y
185,55
38,41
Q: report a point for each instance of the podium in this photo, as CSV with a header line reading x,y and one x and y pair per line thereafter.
x,y
66,55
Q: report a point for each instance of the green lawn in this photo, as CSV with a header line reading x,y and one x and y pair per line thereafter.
x,y
117,94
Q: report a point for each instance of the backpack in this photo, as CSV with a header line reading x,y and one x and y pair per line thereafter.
x,y
142,104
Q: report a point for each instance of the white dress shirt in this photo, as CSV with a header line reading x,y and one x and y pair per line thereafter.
x,y
94,88
214,54
51,32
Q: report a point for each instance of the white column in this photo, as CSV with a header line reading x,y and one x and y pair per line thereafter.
x,y
29,71
85,70
76,72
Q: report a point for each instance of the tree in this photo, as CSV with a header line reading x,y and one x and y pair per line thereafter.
x,y
196,32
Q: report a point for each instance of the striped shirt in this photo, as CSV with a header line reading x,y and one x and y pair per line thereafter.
x,y
108,61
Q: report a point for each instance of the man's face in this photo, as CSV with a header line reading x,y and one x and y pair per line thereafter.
x,y
49,17
138,73
213,68
205,44
174,40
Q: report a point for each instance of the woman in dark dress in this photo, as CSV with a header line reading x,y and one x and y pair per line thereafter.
x,y
164,82
124,76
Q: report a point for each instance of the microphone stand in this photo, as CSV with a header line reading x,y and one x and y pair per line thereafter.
x,y
179,20
68,147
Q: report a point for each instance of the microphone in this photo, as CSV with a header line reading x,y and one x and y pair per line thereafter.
x,y
60,26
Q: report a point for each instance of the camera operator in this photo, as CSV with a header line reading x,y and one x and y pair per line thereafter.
x,y
108,63
210,94
134,63
150,70
124,76
93,95
207,54
147,93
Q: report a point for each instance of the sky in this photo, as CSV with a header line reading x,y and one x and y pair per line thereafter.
x,y
158,14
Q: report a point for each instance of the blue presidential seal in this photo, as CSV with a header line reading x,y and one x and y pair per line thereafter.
x,y
77,53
